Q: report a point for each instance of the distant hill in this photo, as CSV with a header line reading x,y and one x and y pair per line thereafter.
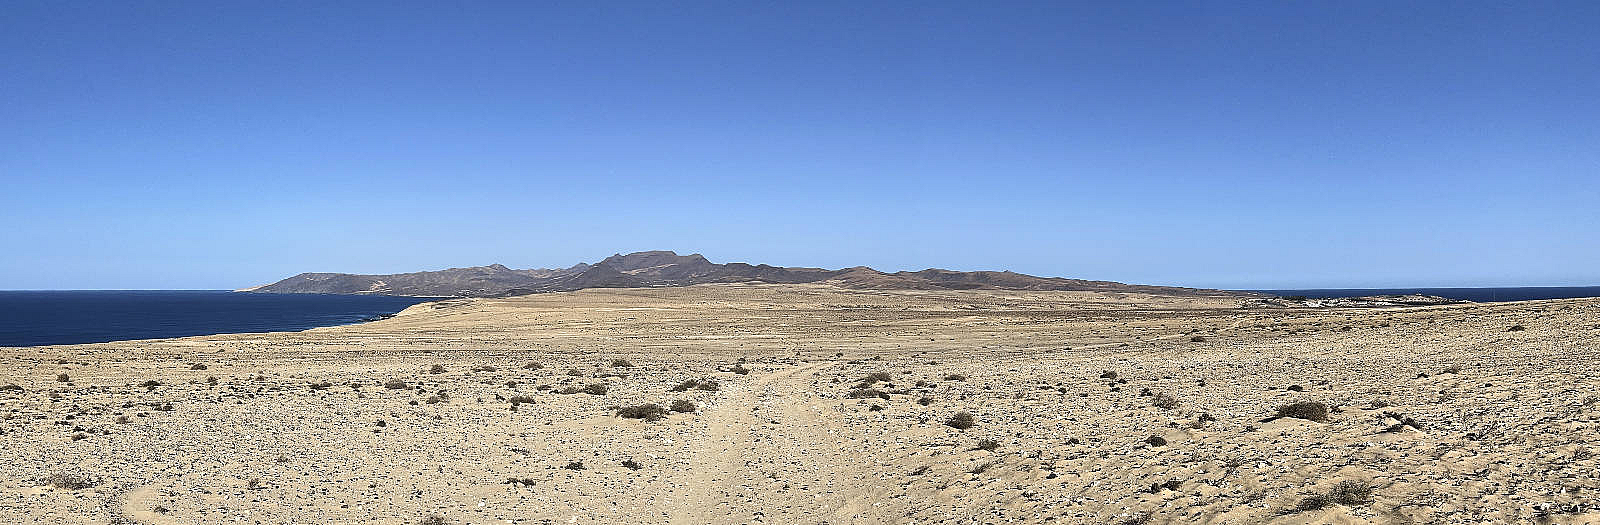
x,y
665,268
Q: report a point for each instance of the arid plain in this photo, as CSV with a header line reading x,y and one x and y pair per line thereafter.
x,y
816,404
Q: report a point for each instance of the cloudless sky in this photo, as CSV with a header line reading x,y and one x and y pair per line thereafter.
x,y
1217,144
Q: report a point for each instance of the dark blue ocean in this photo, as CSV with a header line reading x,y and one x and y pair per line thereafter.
x,y
29,318
1482,295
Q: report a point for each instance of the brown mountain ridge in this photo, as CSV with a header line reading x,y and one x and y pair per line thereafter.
x,y
667,268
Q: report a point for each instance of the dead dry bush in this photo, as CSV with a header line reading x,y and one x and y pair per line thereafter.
x,y
647,412
1348,492
697,384
68,481
1307,410
866,393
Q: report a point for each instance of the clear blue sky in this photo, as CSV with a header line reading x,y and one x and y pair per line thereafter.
x,y
1221,144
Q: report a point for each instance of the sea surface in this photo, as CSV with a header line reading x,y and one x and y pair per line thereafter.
x,y
29,318
1482,295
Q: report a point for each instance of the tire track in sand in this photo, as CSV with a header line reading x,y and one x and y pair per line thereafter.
x,y
768,454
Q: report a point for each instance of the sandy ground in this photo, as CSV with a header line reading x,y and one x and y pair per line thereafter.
x,y
300,427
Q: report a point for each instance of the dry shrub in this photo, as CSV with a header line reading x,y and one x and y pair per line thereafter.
x,y
1307,410
647,412
1348,492
866,393
962,421
68,480
683,406
1165,401
1313,502
697,384
1351,492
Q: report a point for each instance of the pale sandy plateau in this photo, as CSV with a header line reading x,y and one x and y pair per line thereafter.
x,y
829,406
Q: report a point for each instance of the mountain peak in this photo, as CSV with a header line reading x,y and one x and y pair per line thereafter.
x,y
651,259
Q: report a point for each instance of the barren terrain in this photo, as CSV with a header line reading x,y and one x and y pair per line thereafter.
x,y
815,404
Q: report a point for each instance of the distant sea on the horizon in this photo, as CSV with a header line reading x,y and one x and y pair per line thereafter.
x,y
1481,295
59,317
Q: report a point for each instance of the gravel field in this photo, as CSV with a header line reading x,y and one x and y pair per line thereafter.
x,y
814,404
